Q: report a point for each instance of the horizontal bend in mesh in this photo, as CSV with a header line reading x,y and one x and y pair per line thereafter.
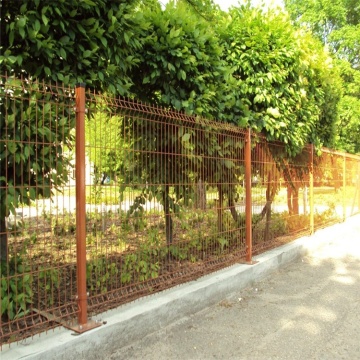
x,y
340,153
136,107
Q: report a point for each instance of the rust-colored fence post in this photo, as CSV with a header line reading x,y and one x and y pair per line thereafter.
x,y
80,204
311,188
248,200
83,323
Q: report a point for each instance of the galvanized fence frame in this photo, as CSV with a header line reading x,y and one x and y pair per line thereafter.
x,y
225,195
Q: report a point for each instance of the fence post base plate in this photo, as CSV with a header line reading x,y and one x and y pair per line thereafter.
x,y
79,329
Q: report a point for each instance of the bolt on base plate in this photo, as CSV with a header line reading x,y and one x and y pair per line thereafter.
x,y
79,329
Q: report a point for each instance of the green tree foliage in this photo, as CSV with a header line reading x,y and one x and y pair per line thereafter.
x,y
337,24
182,69
284,75
181,66
105,144
35,131
322,17
348,126
92,41
290,86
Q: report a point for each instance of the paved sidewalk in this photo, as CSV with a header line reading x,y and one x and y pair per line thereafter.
x,y
307,310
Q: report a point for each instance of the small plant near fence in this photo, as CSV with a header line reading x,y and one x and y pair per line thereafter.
x,y
49,282
197,239
101,275
16,288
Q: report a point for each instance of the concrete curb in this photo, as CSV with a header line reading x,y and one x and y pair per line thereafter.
x,y
135,320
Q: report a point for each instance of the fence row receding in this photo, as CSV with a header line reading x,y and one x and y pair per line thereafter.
x,y
104,200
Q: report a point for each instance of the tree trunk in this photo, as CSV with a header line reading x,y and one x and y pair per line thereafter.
x,y
232,208
168,218
200,195
3,241
293,200
269,200
296,201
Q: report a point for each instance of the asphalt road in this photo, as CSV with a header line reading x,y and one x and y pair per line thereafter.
x,y
308,310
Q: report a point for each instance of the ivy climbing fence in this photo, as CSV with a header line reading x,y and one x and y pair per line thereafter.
x,y
104,200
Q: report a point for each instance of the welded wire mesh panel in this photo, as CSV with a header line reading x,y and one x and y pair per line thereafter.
x,y
351,197
279,193
36,207
162,198
330,190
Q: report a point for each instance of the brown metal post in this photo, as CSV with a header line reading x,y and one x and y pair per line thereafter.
x,y
83,323
248,200
80,204
311,188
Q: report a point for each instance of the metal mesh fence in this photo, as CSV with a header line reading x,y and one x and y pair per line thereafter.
x,y
165,201
162,200
38,287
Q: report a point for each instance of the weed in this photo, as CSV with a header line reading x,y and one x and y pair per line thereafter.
x,y
101,274
50,280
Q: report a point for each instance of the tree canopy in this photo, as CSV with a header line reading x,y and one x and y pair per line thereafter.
x,y
337,25
92,41
334,22
247,67
181,66
284,76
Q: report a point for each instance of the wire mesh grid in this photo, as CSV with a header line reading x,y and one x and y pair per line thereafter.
x,y
165,210
165,201
36,228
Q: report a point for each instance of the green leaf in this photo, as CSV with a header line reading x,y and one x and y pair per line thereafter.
x,y
19,59
89,21
103,41
274,112
44,19
229,164
22,32
21,22
87,53
186,137
37,25
11,38
126,37
183,74
65,39
63,53
47,71
26,151
171,67
11,146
